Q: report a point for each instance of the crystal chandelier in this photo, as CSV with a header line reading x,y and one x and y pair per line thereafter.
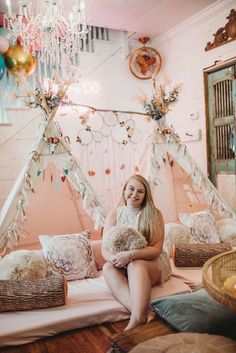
x,y
48,33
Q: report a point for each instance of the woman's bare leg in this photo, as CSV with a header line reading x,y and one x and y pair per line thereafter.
x,y
142,275
118,283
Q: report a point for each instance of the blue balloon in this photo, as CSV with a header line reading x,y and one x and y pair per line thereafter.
x,y
2,67
5,33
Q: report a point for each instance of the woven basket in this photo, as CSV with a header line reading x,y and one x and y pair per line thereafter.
x,y
215,272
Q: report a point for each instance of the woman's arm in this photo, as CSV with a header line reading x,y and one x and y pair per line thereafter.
x,y
110,221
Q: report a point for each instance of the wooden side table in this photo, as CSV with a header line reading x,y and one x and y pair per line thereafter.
x,y
124,341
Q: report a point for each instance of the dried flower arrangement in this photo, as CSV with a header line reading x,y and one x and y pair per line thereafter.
x,y
159,104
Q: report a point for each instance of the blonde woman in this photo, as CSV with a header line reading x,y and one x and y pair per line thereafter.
x,y
130,275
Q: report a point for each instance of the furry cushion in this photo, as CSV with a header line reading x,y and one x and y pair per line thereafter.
x,y
175,233
121,238
227,230
25,265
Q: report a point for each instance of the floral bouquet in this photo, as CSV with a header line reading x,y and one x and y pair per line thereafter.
x,y
48,97
159,104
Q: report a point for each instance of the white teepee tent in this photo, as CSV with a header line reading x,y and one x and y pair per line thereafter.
x,y
50,146
166,141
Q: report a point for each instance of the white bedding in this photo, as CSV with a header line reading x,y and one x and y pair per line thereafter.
x,y
89,302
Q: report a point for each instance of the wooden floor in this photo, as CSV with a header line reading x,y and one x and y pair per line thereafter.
x,y
94,339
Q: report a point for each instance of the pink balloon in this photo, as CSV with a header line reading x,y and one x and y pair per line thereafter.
x,y
4,45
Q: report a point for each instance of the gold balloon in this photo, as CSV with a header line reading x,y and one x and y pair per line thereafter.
x,y
18,60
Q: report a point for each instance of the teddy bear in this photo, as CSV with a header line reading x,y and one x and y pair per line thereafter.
x,y
123,238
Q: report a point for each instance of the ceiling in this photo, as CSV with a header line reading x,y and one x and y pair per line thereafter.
x,y
139,17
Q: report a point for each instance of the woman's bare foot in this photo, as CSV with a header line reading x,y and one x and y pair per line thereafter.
x,y
151,315
132,324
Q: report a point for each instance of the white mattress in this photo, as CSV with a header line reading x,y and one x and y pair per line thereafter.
x,y
89,302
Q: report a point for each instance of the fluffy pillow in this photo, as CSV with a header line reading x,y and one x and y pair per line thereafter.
x,y
30,295
202,225
69,255
175,233
196,312
227,230
121,238
28,265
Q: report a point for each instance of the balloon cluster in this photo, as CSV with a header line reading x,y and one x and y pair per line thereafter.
x,y
13,57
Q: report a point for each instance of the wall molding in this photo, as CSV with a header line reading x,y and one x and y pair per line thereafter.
x,y
224,34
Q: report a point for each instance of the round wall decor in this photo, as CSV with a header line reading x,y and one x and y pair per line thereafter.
x,y
145,62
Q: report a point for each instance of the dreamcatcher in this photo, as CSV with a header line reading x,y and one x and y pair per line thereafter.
x,y
96,126
145,62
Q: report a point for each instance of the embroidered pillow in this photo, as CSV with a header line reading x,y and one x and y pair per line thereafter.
x,y
69,255
202,225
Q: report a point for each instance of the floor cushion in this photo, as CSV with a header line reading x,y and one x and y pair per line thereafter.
x,y
187,343
196,312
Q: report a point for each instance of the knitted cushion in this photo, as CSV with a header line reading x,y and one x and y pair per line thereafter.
x,y
29,295
191,255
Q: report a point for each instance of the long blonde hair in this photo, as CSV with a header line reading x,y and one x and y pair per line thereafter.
x,y
148,221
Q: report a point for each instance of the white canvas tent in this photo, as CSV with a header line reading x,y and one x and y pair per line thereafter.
x,y
166,141
50,146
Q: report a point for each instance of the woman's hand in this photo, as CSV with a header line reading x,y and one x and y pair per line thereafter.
x,y
122,259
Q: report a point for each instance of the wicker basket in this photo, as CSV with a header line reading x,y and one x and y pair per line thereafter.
x,y
215,271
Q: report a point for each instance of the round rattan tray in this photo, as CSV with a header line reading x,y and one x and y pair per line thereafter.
x,y
215,272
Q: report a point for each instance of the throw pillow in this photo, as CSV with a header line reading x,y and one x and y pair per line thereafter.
x,y
28,265
69,255
30,295
121,238
196,312
175,233
96,246
202,225
227,230
195,255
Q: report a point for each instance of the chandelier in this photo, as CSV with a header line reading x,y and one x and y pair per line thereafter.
x,y
47,33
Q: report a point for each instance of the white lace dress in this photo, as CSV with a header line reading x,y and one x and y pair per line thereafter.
x,y
130,217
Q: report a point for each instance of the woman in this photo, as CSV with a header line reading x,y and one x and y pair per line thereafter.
x,y
131,274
